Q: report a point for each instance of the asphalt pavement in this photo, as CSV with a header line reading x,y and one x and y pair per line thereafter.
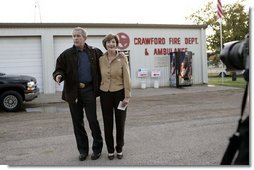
x,y
138,92
167,126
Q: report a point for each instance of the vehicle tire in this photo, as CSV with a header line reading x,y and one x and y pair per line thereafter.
x,y
11,101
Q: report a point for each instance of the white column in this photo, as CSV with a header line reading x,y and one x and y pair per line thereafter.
x,y
204,56
48,63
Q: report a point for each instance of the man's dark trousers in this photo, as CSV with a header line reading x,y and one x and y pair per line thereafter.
x,y
86,100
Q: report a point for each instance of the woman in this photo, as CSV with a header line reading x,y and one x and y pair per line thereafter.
x,y
115,87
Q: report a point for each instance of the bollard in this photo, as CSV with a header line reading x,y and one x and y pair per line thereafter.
x,y
143,84
156,84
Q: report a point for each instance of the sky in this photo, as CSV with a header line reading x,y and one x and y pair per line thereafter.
x,y
101,11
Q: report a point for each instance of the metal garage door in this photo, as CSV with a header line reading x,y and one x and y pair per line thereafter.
x,y
62,43
21,55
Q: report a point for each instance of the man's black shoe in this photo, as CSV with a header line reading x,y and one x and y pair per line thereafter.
x,y
82,157
95,156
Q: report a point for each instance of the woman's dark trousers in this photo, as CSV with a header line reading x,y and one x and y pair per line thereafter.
x,y
109,104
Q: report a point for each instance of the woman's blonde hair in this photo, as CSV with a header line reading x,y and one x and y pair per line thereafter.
x,y
108,38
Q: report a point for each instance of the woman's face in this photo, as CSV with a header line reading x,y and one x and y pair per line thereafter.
x,y
111,45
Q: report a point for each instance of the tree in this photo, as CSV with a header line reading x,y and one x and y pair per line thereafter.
x,y
235,23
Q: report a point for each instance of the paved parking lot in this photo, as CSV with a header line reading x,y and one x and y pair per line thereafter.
x,y
188,126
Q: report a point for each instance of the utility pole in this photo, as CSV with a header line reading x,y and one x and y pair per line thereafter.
x,y
37,11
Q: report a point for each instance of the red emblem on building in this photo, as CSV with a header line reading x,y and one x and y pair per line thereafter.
x,y
124,41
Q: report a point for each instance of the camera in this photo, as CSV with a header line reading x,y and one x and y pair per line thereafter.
x,y
235,55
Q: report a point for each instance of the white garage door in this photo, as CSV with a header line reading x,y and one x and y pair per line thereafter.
x,y
62,43
21,55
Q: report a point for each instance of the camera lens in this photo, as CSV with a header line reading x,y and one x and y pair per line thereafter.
x,y
234,55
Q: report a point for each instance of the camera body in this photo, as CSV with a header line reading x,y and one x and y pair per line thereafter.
x,y
235,54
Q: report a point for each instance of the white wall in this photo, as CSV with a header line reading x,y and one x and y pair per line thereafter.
x,y
56,39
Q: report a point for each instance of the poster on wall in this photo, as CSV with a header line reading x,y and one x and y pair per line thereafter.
x,y
155,73
172,73
142,72
180,69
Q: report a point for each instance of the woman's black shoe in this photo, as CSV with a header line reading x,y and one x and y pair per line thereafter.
x,y
111,156
119,155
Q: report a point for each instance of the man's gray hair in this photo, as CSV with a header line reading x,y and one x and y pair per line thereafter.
x,y
81,30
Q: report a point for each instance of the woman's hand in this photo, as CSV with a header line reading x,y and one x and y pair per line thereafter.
x,y
126,101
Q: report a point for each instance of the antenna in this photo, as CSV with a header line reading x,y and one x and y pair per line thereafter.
x,y
37,11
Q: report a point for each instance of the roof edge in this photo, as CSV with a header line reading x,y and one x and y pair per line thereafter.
x,y
89,25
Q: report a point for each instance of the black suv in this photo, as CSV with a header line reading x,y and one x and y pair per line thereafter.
x,y
14,89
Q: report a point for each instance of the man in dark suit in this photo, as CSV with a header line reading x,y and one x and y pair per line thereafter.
x,y
78,67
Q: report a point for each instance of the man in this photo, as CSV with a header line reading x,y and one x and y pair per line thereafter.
x,y
79,69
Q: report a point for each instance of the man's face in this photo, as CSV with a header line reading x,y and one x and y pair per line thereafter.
x,y
78,39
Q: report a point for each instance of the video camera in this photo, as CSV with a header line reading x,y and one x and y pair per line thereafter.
x,y
235,55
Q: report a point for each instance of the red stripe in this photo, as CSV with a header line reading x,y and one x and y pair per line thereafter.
x,y
219,9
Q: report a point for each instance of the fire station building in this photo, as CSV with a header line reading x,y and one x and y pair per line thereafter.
x,y
32,49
